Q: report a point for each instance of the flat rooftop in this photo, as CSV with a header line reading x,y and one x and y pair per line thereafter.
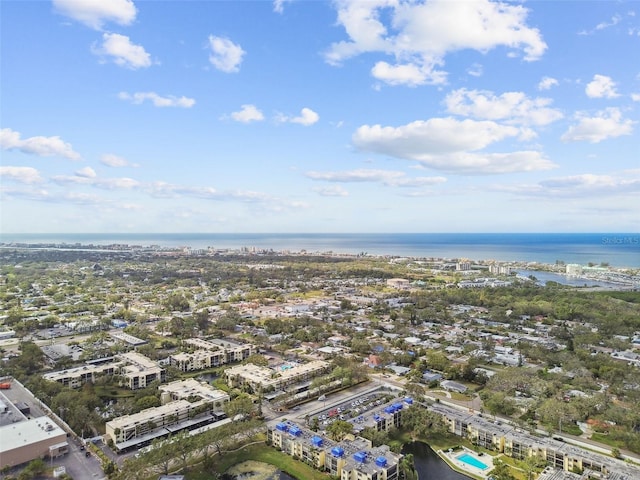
x,y
28,432
192,387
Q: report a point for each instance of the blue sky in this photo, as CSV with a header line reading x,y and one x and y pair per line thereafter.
x,y
310,116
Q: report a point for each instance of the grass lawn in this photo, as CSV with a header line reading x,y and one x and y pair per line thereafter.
x,y
111,391
461,397
572,429
607,440
517,468
438,441
261,453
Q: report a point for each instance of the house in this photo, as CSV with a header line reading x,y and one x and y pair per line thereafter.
x,y
374,361
399,370
453,386
428,376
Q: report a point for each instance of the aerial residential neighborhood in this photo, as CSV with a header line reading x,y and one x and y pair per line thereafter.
x,y
155,361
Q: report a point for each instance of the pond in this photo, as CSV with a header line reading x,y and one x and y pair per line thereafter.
x,y
207,377
429,465
252,470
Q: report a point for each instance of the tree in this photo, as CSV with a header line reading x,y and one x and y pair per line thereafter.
x,y
184,446
177,302
407,468
339,429
501,471
422,422
241,405
257,359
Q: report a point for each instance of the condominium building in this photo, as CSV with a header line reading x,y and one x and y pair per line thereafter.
x,y
210,354
497,269
78,376
139,371
268,379
351,459
178,412
136,371
520,444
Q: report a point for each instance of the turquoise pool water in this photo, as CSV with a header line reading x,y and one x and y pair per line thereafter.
x,y
471,460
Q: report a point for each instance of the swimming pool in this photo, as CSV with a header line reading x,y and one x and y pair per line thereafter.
x,y
471,460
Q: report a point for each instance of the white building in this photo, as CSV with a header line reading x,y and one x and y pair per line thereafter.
x,y
178,412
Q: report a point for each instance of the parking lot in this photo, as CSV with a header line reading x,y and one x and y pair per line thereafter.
x,y
354,409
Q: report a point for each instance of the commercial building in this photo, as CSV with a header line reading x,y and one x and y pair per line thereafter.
x,y
179,412
353,458
210,354
23,439
279,378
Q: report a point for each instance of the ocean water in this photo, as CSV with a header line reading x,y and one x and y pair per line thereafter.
x,y
616,249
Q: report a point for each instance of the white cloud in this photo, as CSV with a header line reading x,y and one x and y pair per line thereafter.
x,y
409,74
614,21
331,191
475,70
577,186
513,107
117,183
606,124
123,53
115,161
278,5
386,177
603,25
248,113
433,136
158,100
163,189
41,146
601,87
27,175
419,35
446,144
86,172
635,97
547,82
467,163
225,55
307,117
94,13
84,177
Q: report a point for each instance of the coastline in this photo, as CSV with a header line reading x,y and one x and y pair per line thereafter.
x,y
616,249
